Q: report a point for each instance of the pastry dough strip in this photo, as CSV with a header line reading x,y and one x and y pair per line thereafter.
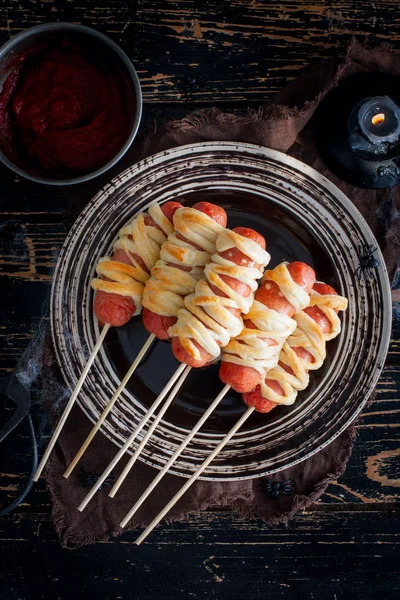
x,y
135,238
309,336
251,348
206,318
164,292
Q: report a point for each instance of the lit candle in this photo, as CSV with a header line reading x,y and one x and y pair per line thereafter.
x,y
379,119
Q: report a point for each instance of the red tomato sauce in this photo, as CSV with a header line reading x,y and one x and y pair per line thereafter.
x,y
64,111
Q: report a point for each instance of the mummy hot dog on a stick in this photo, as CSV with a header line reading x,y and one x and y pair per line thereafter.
x,y
229,283
304,350
120,285
212,314
266,327
170,279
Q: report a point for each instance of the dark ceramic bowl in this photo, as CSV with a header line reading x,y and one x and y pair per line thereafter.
x,y
303,217
98,44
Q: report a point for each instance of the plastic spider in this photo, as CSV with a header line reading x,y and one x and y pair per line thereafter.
x,y
193,83
278,488
89,479
367,263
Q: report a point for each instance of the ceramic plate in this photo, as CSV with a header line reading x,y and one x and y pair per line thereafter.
x,y
303,217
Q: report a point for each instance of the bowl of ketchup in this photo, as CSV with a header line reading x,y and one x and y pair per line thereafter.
x,y
70,103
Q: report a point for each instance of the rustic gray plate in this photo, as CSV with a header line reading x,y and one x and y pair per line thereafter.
x,y
304,217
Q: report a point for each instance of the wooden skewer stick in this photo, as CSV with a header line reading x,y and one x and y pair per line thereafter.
x,y
71,401
132,437
193,478
160,415
109,406
173,458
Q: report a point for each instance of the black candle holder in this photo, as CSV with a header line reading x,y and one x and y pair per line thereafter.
x,y
366,155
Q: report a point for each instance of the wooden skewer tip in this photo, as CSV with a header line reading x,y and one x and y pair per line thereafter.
x,y
176,455
109,406
147,436
71,402
194,477
132,437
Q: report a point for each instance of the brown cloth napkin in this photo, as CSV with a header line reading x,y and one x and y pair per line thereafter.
x,y
283,125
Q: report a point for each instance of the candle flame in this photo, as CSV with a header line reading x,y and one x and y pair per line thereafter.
x,y
378,119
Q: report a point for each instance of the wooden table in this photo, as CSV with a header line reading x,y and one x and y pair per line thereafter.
x,y
190,54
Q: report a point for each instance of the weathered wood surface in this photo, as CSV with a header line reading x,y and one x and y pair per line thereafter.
x,y
347,545
247,49
335,555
